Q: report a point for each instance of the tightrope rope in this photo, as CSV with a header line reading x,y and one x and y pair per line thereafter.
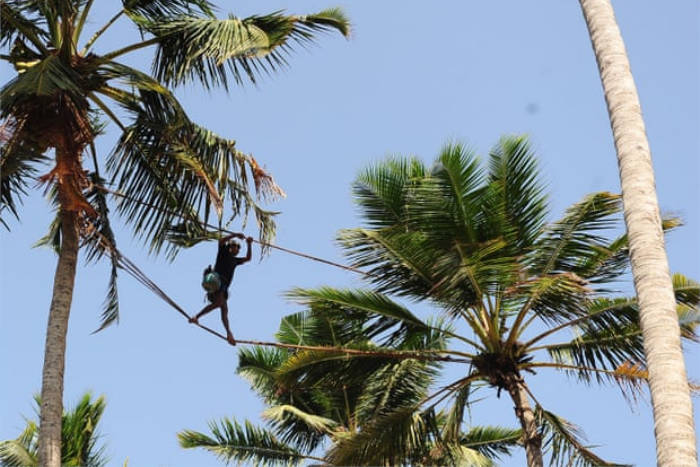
x,y
127,265
277,247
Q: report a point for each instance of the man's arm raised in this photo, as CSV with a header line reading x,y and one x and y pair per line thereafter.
x,y
249,253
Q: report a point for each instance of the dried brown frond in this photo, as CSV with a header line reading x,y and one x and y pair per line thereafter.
x,y
265,185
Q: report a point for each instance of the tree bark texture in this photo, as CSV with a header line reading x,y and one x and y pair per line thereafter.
x,y
55,348
672,406
531,435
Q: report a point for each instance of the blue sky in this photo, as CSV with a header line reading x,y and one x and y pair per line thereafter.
x,y
413,76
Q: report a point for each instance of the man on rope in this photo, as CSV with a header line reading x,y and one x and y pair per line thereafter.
x,y
217,281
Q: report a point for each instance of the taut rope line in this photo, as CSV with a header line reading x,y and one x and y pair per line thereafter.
x,y
127,265
286,250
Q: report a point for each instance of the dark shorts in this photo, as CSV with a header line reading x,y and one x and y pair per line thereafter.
x,y
212,295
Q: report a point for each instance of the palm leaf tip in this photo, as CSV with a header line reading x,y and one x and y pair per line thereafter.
x,y
331,18
244,443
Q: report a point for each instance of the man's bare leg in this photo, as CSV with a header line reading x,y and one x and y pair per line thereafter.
x,y
204,311
224,320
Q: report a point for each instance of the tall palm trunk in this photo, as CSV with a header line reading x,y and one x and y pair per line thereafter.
x,y
55,349
531,436
673,414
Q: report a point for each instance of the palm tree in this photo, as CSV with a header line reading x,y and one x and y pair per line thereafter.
x,y
474,243
79,438
305,419
64,93
673,410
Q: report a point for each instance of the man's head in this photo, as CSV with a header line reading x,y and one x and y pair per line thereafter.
x,y
234,248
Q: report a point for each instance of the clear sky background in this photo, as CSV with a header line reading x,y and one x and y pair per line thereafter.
x,y
413,76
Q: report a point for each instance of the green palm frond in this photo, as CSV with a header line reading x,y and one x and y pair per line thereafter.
x,y
280,412
603,349
156,9
452,428
175,167
380,191
391,439
687,293
117,74
444,204
207,49
400,384
46,77
19,161
399,263
608,262
79,438
21,452
567,245
385,312
565,441
492,441
555,298
517,192
609,334
232,442
294,329
52,239
259,365
15,25
80,433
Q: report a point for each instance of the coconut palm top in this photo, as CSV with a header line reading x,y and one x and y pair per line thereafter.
x,y
64,93
474,243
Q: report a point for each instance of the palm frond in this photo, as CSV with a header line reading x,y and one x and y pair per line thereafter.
x,y
18,167
455,416
492,441
400,384
609,334
554,298
15,25
687,293
281,413
46,77
259,365
177,169
609,261
381,190
21,452
518,191
566,443
232,442
567,245
385,311
52,239
79,437
158,9
444,205
207,49
80,433
391,439
401,263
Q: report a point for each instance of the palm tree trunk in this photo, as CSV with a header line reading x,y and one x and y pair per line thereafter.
x,y
531,436
55,349
673,413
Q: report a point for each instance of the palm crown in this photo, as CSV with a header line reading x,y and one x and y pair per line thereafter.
x,y
79,438
474,243
304,420
63,93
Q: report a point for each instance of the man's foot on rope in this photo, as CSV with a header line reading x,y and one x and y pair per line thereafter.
x,y
230,339
193,320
